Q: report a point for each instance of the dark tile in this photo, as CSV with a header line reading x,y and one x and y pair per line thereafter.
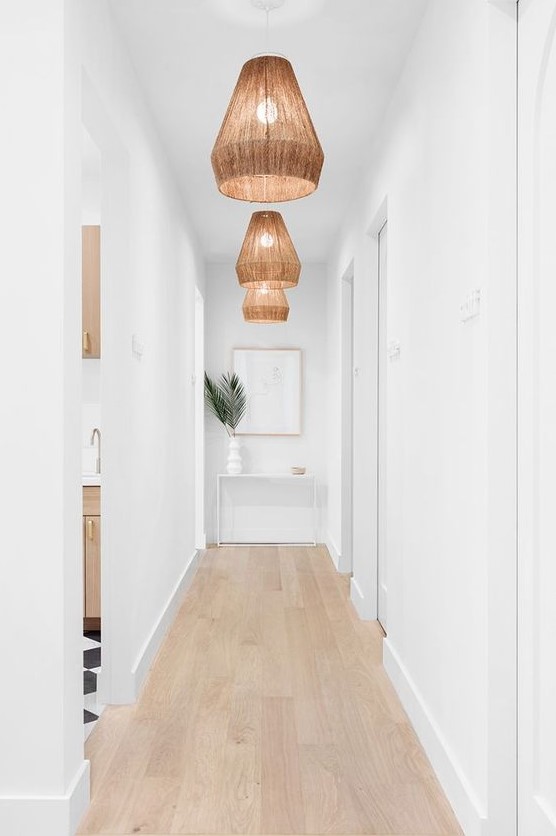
x,y
91,658
88,716
92,634
89,682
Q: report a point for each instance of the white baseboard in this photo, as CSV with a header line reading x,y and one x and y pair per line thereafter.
x,y
47,815
332,550
365,610
79,796
342,564
460,794
151,645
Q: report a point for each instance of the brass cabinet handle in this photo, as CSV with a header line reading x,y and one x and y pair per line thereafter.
x,y
90,529
86,341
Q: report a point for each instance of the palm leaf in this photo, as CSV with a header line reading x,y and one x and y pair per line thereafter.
x,y
236,399
216,401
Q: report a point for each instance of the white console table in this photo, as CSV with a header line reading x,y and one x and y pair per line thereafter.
x,y
266,509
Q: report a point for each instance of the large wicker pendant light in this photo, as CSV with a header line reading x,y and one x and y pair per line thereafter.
x,y
265,306
267,150
268,257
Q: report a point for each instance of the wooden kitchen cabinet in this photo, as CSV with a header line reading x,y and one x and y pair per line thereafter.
x,y
91,558
90,277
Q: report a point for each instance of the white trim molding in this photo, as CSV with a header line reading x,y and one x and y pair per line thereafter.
x,y
501,358
459,792
333,551
48,815
364,609
154,640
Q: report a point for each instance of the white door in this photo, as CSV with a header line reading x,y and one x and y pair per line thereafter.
x,y
537,419
382,544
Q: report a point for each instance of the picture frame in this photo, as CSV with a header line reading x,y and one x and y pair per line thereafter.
x,y
272,379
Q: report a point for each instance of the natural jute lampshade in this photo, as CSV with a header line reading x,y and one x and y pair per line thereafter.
x,y
268,257
267,150
265,306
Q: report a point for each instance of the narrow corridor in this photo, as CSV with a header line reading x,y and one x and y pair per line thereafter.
x,y
267,711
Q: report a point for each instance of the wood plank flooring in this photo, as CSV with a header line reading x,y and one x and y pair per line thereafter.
x,y
267,711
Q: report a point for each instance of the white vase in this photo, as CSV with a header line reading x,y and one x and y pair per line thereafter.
x,y
233,465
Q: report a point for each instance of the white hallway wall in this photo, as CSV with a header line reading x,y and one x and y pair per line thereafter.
x,y
305,329
430,163
150,266
44,780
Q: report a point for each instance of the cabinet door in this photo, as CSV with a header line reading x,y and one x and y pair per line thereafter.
x,y
92,567
90,237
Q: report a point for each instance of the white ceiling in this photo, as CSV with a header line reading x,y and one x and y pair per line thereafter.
x,y
347,55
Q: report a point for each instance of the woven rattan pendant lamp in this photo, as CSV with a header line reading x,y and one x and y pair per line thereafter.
x,y
268,257
267,150
265,307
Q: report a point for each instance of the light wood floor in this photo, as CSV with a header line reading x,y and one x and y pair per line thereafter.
x,y
267,711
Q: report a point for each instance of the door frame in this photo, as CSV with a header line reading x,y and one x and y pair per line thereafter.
x,y
115,685
364,587
535,812
200,526
382,429
501,310
347,355
373,236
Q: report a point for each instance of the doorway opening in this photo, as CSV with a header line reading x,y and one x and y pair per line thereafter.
x,y
91,192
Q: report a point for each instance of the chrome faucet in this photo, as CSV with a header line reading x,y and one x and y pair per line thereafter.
x,y
96,432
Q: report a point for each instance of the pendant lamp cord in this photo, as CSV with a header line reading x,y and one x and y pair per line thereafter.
x,y
267,29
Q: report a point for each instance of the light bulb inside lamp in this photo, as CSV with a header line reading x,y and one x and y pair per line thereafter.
x,y
266,240
267,112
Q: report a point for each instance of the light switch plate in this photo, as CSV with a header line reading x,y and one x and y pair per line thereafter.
x,y
471,307
394,350
137,347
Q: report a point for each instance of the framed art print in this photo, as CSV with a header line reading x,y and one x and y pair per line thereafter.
x,y
272,380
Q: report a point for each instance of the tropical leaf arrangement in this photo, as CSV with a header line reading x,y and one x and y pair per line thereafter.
x,y
227,400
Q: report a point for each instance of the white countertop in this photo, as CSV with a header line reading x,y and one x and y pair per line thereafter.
x,y
90,480
266,475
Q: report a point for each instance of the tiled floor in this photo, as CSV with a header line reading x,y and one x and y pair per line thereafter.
x,y
91,668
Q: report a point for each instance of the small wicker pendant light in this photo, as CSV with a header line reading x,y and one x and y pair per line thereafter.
x,y
267,149
265,306
268,257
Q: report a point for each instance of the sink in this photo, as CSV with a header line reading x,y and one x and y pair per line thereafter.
x,y
89,479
